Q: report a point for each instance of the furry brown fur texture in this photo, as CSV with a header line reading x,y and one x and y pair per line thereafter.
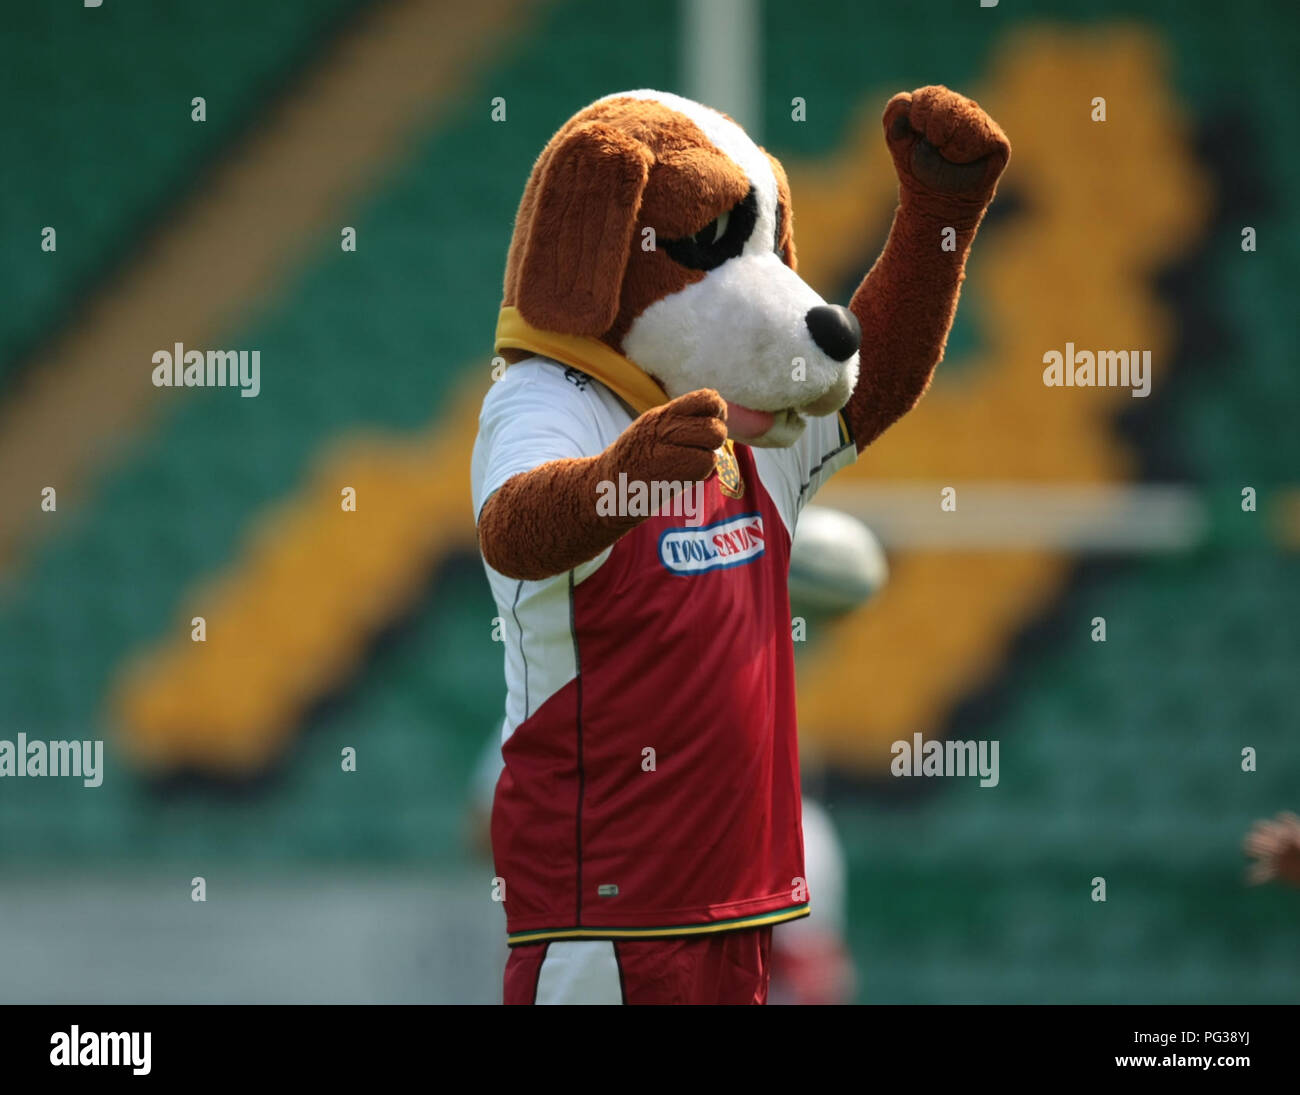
x,y
948,154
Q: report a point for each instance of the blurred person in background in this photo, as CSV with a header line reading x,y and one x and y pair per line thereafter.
x,y
1275,845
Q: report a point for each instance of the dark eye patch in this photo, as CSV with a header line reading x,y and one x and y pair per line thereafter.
x,y
780,227
703,252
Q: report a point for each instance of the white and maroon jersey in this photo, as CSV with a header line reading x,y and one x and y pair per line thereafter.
x,y
651,779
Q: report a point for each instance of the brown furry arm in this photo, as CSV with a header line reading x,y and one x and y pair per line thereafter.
x,y
543,522
949,155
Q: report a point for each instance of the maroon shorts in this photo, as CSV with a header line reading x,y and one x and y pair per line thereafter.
x,y
724,968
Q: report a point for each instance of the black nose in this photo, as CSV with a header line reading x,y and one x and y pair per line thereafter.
x,y
835,330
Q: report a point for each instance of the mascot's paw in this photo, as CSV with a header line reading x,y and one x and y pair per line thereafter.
x,y
675,442
944,143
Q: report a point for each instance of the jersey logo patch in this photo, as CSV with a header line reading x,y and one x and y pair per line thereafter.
x,y
729,480
729,543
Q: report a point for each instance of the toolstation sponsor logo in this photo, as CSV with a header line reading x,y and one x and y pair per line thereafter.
x,y
730,543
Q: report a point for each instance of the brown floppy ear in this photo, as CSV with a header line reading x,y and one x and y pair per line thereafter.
x,y
580,232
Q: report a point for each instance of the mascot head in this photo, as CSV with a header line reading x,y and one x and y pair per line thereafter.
x,y
654,227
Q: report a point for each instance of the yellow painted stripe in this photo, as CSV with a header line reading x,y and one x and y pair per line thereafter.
x,y
240,234
1286,519
544,935
292,616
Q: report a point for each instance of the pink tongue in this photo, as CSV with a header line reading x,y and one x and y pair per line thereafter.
x,y
744,424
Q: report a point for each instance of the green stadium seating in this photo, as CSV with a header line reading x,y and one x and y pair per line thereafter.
x,y
1119,760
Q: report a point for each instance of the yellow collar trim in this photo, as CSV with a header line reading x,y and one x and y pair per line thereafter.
x,y
590,355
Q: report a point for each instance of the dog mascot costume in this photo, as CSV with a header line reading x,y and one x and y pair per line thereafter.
x,y
646,828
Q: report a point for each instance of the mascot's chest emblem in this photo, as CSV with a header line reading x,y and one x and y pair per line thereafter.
x,y
728,469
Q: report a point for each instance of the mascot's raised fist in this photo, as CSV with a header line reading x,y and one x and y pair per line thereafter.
x,y
945,143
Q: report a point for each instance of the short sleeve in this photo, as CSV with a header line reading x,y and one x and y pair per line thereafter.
x,y
531,416
793,475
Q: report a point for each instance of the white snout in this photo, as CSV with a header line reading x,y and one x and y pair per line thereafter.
x,y
743,331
